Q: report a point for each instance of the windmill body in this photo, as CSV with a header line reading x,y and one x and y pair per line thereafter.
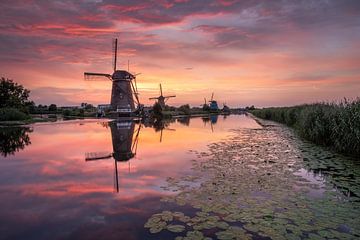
x,y
124,95
122,99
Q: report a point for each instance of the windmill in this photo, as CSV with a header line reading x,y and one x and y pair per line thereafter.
x,y
213,104
123,89
226,109
162,99
205,106
124,145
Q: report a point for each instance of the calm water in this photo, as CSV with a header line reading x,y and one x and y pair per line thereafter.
x,y
61,180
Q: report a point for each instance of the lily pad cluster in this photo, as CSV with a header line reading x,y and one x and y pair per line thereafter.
x,y
249,186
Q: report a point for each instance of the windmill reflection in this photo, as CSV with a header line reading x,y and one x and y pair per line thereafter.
x,y
212,119
184,121
160,126
124,141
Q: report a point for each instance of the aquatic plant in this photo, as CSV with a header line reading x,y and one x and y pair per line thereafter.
x,y
250,186
336,125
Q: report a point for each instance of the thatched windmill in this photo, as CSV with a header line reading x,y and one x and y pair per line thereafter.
x,y
123,89
162,99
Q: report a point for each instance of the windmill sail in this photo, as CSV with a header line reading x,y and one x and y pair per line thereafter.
x,y
89,76
91,156
115,42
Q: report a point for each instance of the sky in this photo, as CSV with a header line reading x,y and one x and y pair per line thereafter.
x,y
248,52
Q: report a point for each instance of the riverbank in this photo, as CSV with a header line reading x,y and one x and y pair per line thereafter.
x,y
329,124
40,119
263,183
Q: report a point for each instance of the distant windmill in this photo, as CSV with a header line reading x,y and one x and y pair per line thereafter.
x,y
123,89
213,104
162,99
226,109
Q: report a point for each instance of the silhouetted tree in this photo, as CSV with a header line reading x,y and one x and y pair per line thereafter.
x,y
157,110
185,109
52,107
13,95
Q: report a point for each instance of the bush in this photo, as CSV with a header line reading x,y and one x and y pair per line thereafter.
x,y
328,124
185,109
157,110
12,114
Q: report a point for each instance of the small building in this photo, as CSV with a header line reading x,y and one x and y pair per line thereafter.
x,y
103,107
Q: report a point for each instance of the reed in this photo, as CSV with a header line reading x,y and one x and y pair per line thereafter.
x,y
336,125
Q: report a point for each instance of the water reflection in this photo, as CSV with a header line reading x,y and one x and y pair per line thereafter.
x,y
13,139
123,142
212,120
184,121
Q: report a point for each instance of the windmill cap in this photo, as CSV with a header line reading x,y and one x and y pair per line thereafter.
x,y
122,75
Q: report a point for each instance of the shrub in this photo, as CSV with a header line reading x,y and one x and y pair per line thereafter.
x,y
12,114
185,109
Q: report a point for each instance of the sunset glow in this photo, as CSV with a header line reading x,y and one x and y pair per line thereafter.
x,y
263,53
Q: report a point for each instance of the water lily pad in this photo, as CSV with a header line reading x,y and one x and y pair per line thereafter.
x,y
175,228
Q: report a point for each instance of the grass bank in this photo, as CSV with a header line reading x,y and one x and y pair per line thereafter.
x,y
336,125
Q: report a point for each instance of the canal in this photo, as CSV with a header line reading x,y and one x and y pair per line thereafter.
x,y
222,177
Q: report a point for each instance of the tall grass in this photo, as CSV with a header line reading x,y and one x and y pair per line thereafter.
x,y
336,125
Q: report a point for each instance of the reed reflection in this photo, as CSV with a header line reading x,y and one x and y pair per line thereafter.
x,y
13,139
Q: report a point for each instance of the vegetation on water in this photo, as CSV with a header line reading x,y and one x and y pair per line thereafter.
x,y
336,125
252,186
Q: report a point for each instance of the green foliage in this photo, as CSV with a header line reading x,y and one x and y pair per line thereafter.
x,y
328,124
12,114
185,109
206,107
252,107
13,95
52,107
66,112
157,110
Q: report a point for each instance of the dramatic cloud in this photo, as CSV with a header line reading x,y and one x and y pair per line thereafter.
x,y
256,47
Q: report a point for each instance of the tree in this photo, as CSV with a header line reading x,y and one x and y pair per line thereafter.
x,y
89,107
52,107
185,109
13,95
157,110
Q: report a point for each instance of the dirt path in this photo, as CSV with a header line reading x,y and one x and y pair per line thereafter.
x,y
260,183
